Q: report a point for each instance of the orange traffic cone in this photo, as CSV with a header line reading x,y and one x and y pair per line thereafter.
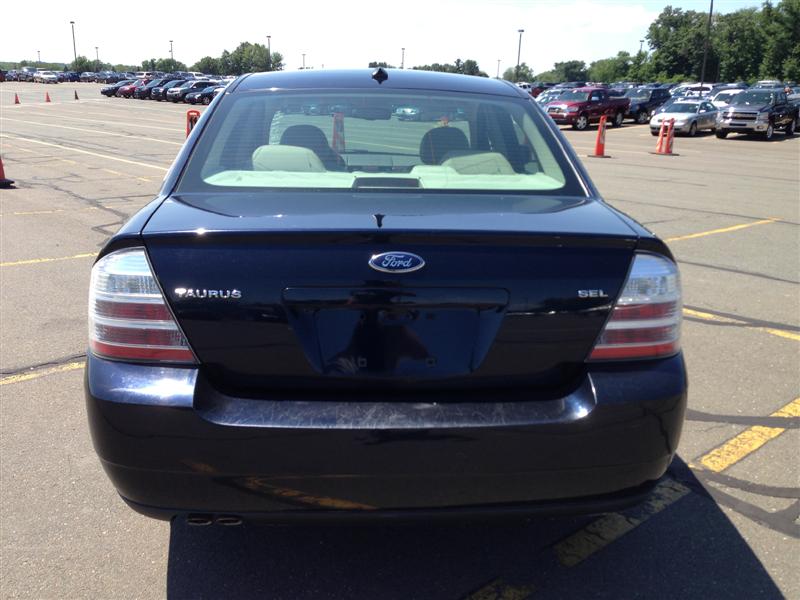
x,y
4,183
660,143
47,96
665,137
600,144
16,99
76,95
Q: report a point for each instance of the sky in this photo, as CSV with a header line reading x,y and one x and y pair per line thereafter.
x,y
339,34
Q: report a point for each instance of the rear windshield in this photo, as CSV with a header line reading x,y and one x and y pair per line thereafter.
x,y
386,140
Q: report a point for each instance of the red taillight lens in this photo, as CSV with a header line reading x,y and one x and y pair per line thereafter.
x,y
646,321
128,317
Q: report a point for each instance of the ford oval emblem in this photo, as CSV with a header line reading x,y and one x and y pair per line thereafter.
x,y
396,262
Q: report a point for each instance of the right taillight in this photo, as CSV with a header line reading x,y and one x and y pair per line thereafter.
x,y
128,316
646,320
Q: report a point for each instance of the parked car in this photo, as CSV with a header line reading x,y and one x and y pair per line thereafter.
x,y
26,73
71,76
159,92
178,93
581,106
45,77
126,91
644,101
88,77
144,92
111,90
692,90
690,116
570,84
445,351
761,111
550,95
11,75
203,96
723,97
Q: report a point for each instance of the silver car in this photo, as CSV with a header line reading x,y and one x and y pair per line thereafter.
x,y
690,116
45,77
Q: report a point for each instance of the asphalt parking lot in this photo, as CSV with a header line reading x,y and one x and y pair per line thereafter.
x,y
725,523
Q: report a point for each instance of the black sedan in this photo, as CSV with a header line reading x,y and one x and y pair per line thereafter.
x,y
204,96
159,92
422,318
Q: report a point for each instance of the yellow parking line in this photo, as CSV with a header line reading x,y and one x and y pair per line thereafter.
x,y
500,590
99,131
723,230
600,533
71,149
748,441
38,261
41,373
789,335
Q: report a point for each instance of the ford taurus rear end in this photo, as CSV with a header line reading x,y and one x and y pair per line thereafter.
x,y
347,313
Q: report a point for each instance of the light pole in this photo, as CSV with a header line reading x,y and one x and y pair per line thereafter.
x,y
74,51
402,58
39,54
171,55
304,61
640,46
705,47
97,56
269,53
519,51
498,69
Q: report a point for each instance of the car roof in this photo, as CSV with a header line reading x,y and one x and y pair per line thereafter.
x,y
362,78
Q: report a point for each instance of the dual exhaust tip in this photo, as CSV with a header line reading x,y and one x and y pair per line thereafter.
x,y
201,520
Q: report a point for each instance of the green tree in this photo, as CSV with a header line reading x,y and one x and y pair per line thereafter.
x,y
677,38
208,64
375,64
465,67
571,70
81,64
781,25
169,65
610,69
525,73
739,40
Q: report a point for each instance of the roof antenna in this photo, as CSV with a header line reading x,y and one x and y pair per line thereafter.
x,y
380,75
379,219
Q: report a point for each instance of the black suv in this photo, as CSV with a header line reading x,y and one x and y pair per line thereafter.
x,y
644,101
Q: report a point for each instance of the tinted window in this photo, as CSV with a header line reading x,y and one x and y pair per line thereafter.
x,y
385,140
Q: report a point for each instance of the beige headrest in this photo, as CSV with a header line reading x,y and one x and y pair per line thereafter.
x,y
276,157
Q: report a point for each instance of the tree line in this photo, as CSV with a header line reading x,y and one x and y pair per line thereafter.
x,y
744,45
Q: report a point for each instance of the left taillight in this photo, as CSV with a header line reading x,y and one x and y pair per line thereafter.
x,y
128,316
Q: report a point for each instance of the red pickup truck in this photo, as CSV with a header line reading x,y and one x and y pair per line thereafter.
x,y
582,106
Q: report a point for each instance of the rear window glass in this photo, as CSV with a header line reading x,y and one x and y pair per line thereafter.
x,y
387,140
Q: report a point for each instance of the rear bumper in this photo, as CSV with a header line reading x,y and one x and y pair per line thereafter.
x,y
172,445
